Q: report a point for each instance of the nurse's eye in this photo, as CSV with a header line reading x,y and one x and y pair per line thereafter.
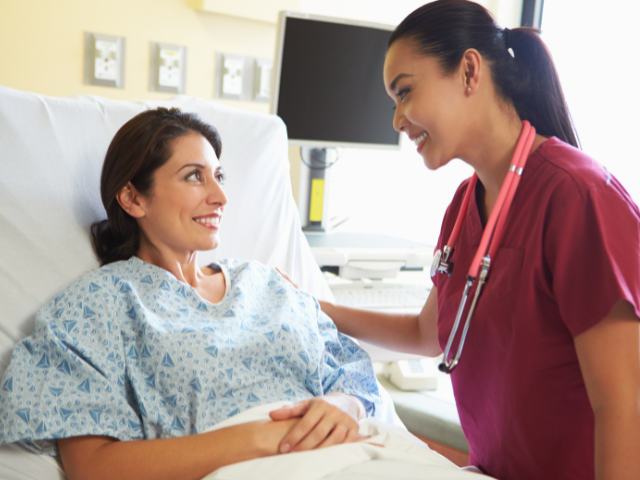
x,y
403,93
194,176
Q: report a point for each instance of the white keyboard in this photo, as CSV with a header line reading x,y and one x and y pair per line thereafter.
x,y
381,297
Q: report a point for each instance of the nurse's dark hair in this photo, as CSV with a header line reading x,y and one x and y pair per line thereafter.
x,y
139,148
445,29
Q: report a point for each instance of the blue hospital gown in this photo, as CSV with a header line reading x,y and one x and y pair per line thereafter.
x,y
130,352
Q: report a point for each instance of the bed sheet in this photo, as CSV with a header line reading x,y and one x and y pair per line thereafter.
x,y
403,457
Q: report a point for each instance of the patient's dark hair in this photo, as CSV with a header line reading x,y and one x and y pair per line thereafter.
x,y
139,148
445,29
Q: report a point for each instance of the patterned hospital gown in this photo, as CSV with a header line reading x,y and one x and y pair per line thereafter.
x,y
130,352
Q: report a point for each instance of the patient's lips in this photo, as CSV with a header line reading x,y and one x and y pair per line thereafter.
x,y
209,221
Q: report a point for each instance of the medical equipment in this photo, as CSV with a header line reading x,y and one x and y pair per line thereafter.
x,y
442,262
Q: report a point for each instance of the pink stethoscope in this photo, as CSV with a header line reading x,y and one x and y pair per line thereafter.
x,y
489,243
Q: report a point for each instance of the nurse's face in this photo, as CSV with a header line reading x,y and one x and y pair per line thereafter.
x,y
183,214
429,104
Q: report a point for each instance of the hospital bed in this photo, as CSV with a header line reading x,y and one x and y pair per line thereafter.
x,y
51,153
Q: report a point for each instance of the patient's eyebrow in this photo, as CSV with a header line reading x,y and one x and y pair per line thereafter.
x,y
199,165
393,84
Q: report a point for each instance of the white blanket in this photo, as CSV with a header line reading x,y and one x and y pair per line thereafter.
x,y
403,457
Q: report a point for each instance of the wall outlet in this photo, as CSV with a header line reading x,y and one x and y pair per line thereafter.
x,y
167,68
104,60
262,79
243,78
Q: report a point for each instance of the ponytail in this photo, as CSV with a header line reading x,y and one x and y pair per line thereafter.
x,y
520,63
139,148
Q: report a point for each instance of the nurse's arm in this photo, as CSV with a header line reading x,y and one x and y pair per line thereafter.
x,y
401,332
609,356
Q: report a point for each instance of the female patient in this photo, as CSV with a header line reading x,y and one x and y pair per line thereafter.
x,y
153,347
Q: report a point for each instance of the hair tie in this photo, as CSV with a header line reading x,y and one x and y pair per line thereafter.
x,y
506,35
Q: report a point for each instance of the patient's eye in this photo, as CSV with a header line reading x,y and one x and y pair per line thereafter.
x,y
194,176
221,176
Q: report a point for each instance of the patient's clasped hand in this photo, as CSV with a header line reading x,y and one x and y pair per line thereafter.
x,y
153,347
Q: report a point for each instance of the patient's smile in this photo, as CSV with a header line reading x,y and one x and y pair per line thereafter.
x,y
210,221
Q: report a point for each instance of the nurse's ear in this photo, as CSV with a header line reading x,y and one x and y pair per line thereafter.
x,y
131,201
470,71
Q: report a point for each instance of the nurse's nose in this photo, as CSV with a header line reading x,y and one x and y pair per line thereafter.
x,y
400,122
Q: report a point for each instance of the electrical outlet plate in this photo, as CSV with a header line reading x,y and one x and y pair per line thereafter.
x,y
168,68
262,79
232,77
104,60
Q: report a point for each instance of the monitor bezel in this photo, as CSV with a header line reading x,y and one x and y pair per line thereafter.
x,y
275,87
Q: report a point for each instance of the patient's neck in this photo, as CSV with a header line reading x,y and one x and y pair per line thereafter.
x,y
184,266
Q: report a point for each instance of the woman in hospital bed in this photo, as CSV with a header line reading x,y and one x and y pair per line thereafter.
x,y
151,346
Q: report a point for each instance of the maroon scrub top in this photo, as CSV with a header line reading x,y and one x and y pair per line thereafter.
x,y
569,252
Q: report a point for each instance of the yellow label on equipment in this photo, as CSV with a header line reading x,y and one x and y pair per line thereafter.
x,y
317,197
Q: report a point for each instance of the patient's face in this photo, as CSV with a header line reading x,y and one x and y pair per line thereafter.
x,y
183,214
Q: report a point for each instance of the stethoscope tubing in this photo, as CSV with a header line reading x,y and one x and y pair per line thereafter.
x,y
490,239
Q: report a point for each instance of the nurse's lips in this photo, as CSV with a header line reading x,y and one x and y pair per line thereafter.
x,y
420,140
211,221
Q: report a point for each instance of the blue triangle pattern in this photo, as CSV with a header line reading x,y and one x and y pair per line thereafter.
x,y
8,385
177,424
212,395
145,352
94,287
165,286
24,414
212,350
56,391
132,353
167,361
172,400
44,362
147,279
247,362
270,336
233,412
88,313
252,398
131,313
195,384
64,367
95,415
42,428
85,386
65,413
69,325
151,380
229,314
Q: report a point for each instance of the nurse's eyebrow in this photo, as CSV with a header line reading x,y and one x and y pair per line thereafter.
x,y
392,86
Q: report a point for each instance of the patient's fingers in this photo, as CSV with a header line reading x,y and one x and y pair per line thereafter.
x,y
292,411
324,424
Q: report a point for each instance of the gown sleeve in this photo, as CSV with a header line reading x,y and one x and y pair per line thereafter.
x,y
592,250
346,367
69,377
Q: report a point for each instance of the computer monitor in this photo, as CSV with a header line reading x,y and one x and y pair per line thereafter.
x,y
328,86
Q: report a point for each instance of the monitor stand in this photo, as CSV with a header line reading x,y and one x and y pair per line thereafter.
x,y
314,189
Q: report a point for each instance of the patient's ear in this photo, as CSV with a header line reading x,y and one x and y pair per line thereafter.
x,y
131,201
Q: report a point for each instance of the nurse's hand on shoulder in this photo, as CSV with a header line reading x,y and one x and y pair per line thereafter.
x,y
287,278
327,420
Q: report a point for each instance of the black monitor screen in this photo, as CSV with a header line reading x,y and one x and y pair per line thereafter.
x,y
331,87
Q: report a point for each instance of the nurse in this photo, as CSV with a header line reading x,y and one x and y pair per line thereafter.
x,y
548,385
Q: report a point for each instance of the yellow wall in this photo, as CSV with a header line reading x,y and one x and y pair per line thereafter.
x,y
43,44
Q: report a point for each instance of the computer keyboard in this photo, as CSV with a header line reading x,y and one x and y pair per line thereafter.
x,y
381,297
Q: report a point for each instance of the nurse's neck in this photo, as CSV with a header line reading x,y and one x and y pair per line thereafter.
x,y
492,144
